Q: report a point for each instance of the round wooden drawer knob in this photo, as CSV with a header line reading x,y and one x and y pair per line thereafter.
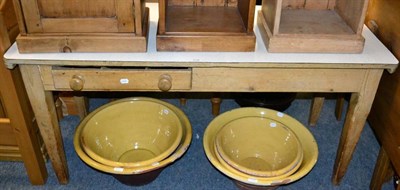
x,y
165,82
66,49
76,83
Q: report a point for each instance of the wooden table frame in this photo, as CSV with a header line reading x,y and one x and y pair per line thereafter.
x,y
258,71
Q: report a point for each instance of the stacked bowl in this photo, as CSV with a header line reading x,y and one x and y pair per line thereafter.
x,y
260,148
133,139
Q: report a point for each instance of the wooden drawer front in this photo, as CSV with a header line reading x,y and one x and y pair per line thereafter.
x,y
276,80
122,79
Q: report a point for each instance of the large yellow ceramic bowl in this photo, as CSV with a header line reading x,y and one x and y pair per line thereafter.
x,y
259,146
245,175
309,145
183,145
131,132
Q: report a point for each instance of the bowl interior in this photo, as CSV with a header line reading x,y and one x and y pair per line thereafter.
x,y
131,132
310,147
250,176
259,146
183,145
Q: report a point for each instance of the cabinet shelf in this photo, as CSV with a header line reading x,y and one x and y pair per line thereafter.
x,y
313,22
202,20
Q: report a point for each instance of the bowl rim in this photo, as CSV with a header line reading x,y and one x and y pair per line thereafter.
x,y
282,172
181,149
109,162
239,173
310,147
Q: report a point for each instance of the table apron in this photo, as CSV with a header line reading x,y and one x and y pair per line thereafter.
x,y
213,79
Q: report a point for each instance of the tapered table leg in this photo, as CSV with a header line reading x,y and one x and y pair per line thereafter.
x,y
46,115
359,108
216,104
383,171
315,111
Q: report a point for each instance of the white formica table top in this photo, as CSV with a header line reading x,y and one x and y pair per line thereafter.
x,y
375,54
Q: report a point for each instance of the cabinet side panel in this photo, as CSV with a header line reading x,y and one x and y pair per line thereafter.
x,y
271,10
125,15
246,10
353,13
31,15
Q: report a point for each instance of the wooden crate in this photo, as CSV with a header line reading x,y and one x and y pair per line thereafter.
x,y
206,25
82,25
312,25
70,104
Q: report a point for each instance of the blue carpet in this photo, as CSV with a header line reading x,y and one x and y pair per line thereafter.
x,y
194,171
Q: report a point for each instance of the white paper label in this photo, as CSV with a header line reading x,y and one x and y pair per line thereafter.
x,y
124,81
119,169
252,180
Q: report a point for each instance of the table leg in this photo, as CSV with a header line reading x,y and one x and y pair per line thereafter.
x,y
215,104
45,112
359,107
316,107
383,170
339,106
182,101
81,103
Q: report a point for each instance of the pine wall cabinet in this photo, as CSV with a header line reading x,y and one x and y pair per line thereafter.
x,y
82,26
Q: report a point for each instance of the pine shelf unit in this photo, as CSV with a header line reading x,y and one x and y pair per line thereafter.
x,y
206,25
327,26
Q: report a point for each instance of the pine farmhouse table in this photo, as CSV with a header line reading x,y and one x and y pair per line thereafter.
x,y
258,71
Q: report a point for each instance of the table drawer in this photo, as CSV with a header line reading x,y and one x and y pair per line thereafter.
x,y
276,80
142,79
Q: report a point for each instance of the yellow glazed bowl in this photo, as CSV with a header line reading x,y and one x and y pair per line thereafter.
x,y
183,145
259,146
131,132
310,147
239,173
